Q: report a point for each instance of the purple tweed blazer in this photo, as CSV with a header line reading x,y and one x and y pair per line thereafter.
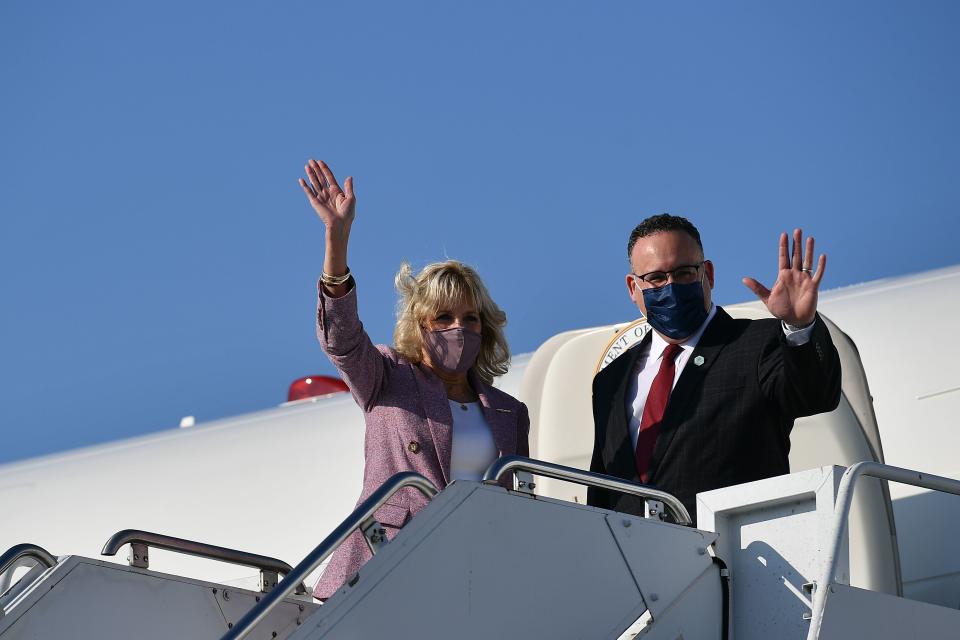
x,y
409,425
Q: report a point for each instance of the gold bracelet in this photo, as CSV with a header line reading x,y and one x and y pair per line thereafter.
x,y
334,281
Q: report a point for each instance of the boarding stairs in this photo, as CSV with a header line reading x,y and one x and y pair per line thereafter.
x,y
771,560
79,598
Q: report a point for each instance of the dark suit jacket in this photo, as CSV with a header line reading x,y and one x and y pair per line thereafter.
x,y
728,420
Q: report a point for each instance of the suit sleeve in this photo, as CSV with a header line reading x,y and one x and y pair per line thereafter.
x,y
523,431
801,380
344,340
597,497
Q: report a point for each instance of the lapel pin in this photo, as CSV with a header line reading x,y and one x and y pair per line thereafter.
x,y
504,411
698,360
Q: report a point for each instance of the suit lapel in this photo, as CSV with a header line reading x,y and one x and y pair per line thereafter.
x,y
436,411
623,462
711,343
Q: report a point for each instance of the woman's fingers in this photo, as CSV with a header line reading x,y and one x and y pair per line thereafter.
x,y
328,176
308,190
314,177
331,202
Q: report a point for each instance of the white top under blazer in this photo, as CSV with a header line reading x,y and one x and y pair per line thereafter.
x,y
473,446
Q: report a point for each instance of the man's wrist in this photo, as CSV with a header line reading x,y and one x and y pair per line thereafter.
x,y
797,336
798,327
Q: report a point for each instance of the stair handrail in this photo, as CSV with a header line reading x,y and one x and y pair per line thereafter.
x,y
141,541
17,552
12,558
512,464
360,518
841,514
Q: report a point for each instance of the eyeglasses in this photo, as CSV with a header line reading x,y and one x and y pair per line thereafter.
x,y
681,275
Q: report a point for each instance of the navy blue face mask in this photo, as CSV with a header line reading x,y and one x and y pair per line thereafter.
x,y
675,310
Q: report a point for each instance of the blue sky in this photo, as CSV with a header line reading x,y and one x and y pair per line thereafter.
x,y
158,258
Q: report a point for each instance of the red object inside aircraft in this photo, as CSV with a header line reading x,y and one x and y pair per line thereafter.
x,y
310,386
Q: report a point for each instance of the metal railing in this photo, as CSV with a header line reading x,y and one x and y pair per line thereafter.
x,y
841,514
361,518
17,552
14,557
512,464
140,542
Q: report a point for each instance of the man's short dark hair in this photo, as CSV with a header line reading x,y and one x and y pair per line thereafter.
x,y
659,223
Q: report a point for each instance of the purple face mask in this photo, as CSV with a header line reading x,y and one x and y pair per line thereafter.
x,y
452,350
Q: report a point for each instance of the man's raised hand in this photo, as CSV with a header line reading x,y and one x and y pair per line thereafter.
x,y
793,297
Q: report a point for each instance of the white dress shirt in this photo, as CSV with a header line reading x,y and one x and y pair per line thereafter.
x,y
648,364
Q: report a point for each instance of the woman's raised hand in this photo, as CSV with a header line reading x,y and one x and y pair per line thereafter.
x,y
335,206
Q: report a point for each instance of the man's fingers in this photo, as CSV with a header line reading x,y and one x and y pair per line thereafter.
x,y
348,186
808,254
782,261
758,289
797,249
821,267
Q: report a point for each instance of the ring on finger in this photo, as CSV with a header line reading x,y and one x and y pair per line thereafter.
x,y
805,269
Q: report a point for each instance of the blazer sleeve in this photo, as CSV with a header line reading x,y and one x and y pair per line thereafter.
x,y
802,380
342,337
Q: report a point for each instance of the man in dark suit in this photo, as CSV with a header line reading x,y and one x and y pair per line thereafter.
x,y
705,401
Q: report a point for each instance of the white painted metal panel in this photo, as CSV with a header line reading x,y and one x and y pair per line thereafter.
x,y
482,563
84,598
855,613
664,559
771,535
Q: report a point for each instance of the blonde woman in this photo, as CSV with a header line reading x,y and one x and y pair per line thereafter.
x,y
429,404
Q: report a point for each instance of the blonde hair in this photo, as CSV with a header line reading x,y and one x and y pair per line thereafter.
x,y
436,287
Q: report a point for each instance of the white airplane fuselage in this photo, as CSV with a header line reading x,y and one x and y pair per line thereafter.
x,y
276,482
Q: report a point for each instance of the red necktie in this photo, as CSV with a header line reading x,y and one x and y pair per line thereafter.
x,y
653,410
